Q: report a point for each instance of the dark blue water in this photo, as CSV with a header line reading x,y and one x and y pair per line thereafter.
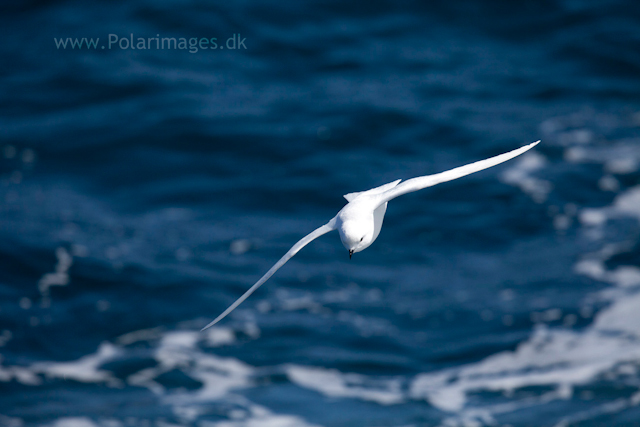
x,y
142,191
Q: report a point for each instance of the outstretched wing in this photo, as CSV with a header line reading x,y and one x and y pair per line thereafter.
x,y
377,190
330,226
421,182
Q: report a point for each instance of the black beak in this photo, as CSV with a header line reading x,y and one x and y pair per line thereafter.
x,y
350,253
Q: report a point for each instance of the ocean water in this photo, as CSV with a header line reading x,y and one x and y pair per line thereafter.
x,y
143,190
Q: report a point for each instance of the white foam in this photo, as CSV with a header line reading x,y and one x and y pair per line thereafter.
x,y
624,276
180,340
303,302
521,175
561,359
618,157
333,383
20,374
86,369
140,335
621,316
179,350
592,217
259,416
60,277
626,204
218,336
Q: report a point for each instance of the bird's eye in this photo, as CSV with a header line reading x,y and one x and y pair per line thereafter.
x,y
362,238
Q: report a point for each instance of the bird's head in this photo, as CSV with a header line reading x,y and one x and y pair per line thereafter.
x,y
355,235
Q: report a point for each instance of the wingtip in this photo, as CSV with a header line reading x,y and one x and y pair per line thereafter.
x,y
209,325
534,144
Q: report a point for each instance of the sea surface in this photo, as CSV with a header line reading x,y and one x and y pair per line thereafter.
x,y
143,190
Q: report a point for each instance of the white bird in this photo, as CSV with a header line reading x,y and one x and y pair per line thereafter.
x,y
359,221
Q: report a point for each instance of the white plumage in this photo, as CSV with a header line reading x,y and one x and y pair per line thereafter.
x,y
360,221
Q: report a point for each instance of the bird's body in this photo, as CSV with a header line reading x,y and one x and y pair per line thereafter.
x,y
359,222
362,218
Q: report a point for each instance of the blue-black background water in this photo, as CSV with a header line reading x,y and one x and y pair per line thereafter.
x,y
142,191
